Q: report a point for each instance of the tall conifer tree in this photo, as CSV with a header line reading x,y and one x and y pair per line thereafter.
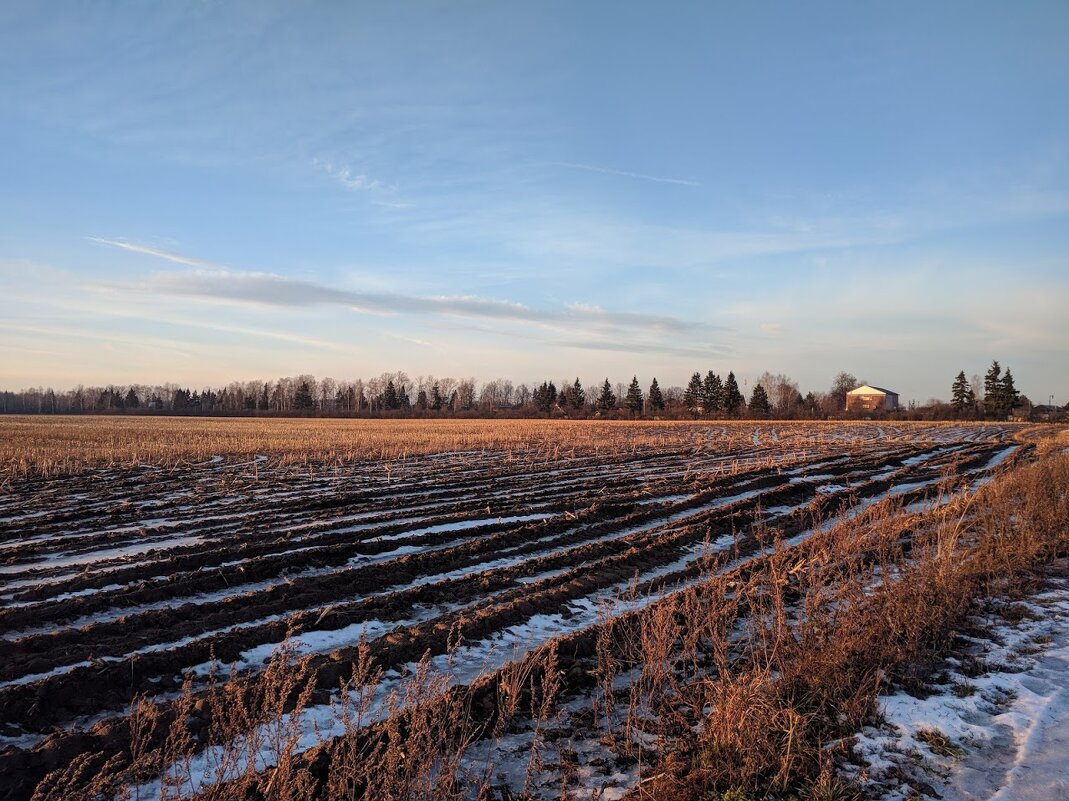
x,y
992,391
1008,394
607,398
733,400
656,397
302,398
634,397
759,406
389,396
692,395
959,393
712,393
578,396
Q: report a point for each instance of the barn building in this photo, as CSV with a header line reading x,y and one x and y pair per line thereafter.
x,y
868,398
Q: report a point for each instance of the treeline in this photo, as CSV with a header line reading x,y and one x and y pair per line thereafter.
x,y
398,395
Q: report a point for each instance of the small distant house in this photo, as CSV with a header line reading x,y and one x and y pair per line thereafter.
x,y
868,398
1044,414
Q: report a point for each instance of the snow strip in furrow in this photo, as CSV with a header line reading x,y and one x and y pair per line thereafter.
x,y
249,587
165,646
460,667
352,633
89,559
511,561
1000,457
221,595
359,559
322,641
356,560
460,525
481,567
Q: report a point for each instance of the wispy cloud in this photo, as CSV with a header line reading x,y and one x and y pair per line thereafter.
x,y
275,290
177,258
626,173
216,282
696,351
345,175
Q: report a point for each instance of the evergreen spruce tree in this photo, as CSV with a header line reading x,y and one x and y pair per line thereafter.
x,y
992,391
656,398
733,400
958,394
539,397
131,401
607,399
436,397
545,397
634,397
712,393
421,399
389,396
1008,395
759,406
578,398
970,404
302,398
692,395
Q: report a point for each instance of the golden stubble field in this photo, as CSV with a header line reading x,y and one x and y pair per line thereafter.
x,y
36,445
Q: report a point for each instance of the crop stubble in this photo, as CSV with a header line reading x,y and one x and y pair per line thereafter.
x,y
125,572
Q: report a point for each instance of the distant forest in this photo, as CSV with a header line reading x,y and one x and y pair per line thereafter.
x,y
397,395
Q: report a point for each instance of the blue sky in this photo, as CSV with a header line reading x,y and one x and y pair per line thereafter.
x,y
201,192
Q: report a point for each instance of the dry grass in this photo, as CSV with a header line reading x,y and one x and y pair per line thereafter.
x,y
48,446
875,603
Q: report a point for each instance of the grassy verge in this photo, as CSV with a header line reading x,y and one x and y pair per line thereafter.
x,y
823,642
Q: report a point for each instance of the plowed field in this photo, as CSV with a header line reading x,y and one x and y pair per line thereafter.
x,y
117,582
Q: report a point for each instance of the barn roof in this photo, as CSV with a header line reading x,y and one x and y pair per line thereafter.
x,y
869,389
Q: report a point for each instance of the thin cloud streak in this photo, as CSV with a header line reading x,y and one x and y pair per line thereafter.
x,y
626,173
270,289
706,351
215,282
177,258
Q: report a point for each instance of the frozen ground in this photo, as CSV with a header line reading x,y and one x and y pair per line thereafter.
x,y
997,727
135,580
